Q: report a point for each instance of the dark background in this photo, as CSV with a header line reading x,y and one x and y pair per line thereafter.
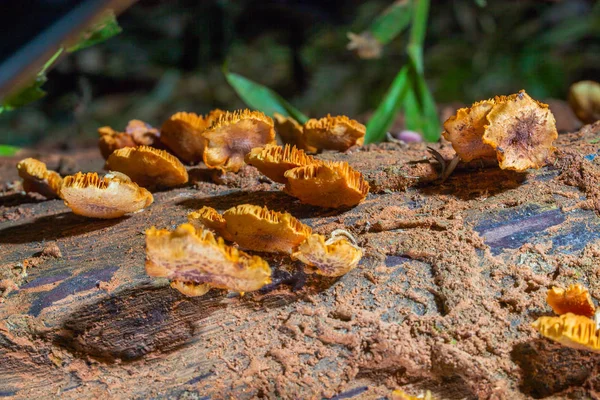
x,y
169,56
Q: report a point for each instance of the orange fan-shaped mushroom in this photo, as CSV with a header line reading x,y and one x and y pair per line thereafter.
x,y
233,135
291,132
191,289
521,130
334,257
148,167
465,131
570,330
576,299
260,229
327,184
37,178
209,218
273,160
334,133
196,256
109,197
136,133
399,394
182,133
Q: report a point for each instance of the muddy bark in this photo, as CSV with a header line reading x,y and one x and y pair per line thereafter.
x,y
453,275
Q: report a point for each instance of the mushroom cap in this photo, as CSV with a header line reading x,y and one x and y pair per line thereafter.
x,y
196,256
334,133
584,99
334,257
327,184
233,135
273,160
37,178
576,299
191,289
142,133
465,131
148,167
570,330
107,197
291,132
111,140
209,218
521,130
399,394
182,133
260,229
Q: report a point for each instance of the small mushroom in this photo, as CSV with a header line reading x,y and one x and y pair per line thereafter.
x,y
327,184
136,133
465,131
334,257
260,229
111,196
273,160
233,135
334,133
197,257
182,133
148,167
399,394
521,130
291,132
584,99
576,299
38,179
209,218
191,289
575,331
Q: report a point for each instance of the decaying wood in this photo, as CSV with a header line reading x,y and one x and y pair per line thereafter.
x,y
453,276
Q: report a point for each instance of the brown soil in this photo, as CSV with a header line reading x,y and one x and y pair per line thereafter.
x,y
452,277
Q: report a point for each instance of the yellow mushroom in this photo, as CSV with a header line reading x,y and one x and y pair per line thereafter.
x,y
233,135
182,133
576,299
521,130
260,229
209,218
576,331
191,289
273,160
334,257
148,167
111,196
402,395
38,179
465,131
136,133
196,256
291,132
584,99
327,184
334,133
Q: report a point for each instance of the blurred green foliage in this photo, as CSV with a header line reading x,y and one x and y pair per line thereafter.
x,y
473,50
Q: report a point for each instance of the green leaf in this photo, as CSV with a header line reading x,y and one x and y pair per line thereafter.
x,y
99,32
430,123
392,21
24,96
6,150
262,98
384,116
33,91
417,32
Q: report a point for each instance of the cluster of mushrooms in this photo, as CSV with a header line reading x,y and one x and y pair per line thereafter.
x,y
200,255
208,251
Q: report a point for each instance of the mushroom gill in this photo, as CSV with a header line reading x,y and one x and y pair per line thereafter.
x,y
107,197
273,160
